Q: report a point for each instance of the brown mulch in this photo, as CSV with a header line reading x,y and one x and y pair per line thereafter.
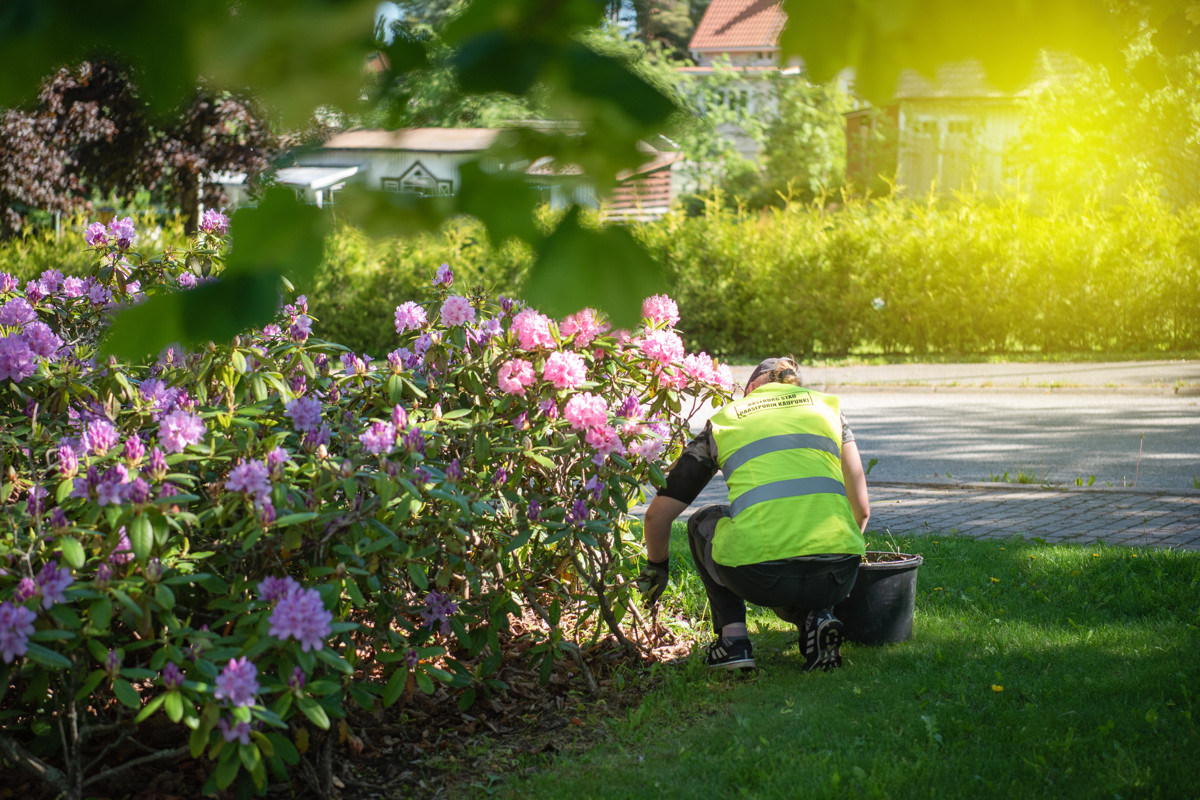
x,y
424,746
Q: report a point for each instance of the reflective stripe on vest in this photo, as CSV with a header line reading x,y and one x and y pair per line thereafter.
x,y
780,451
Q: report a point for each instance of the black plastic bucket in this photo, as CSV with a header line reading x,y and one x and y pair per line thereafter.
x,y
879,609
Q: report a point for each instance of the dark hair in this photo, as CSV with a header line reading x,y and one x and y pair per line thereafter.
x,y
786,370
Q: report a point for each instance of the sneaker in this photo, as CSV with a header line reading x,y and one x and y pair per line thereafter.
x,y
731,655
821,641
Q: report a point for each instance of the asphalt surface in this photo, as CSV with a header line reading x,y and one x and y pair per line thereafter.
x,y
1106,452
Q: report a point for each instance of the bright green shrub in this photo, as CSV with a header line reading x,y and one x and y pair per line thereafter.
x,y
362,280
955,277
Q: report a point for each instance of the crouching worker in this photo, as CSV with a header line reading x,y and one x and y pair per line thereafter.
x,y
791,538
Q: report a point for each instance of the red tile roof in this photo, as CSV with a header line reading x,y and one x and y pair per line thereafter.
x,y
739,25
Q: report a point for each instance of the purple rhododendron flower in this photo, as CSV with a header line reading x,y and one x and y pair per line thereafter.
x,y
26,590
41,340
305,413
17,313
214,222
96,235
187,280
253,478
409,316
50,280
379,438
300,613
178,429
272,588
134,450
297,679
33,291
238,732
100,436
158,464
8,282
454,472
238,682
444,275
16,626
123,231
17,362
399,417
74,287
414,441
99,295
577,514
355,365
123,552
172,677
438,609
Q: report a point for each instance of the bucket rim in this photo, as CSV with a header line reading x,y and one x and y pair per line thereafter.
x,y
897,561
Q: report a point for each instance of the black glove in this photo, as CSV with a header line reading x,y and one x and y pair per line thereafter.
x,y
652,580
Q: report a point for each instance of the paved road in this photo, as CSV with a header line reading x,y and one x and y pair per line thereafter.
x,y
940,432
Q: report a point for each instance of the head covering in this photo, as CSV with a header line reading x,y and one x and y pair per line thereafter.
x,y
764,367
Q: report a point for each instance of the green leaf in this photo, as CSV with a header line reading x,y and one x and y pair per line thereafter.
x,y
284,748
72,551
395,687
125,692
173,705
296,519
227,765
503,201
47,657
150,708
141,537
500,61
314,711
466,700
605,269
89,685
389,214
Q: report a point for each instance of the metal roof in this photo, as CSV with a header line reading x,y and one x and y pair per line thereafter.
x,y
435,140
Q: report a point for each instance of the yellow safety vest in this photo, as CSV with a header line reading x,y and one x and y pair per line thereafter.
x,y
780,448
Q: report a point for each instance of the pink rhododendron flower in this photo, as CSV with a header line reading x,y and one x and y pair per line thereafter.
x,y
409,316
532,329
565,370
605,439
238,682
515,375
586,410
300,613
648,448
16,626
699,367
178,429
660,308
584,326
456,310
664,347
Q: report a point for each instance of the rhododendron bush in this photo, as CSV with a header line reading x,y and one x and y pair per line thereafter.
x,y
247,538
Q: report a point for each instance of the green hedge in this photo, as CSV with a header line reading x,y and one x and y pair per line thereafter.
x,y
966,277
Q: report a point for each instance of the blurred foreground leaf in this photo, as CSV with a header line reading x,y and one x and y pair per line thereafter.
x,y
503,201
605,269
881,38
280,237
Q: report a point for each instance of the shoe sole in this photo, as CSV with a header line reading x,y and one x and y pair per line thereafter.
x,y
828,640
745,663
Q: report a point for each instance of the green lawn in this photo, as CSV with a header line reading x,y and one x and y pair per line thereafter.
x,y
1035,670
